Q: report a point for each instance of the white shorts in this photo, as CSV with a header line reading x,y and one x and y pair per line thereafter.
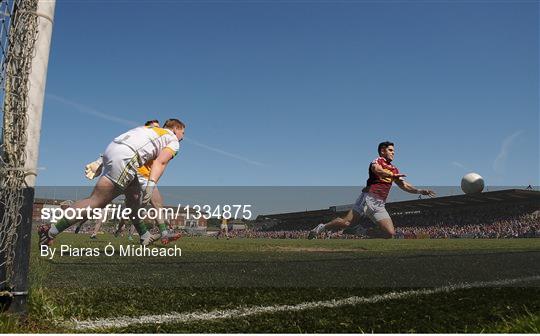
x,y
120,164
370,206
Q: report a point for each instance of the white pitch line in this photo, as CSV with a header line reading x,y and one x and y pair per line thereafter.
x,y
174,317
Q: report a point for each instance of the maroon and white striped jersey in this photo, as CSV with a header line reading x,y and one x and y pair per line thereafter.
x,y
379,186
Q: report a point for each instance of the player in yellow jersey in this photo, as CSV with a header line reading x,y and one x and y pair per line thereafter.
x,y
143,174
124,155
224,229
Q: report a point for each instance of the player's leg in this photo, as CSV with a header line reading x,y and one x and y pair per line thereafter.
x,y
163,223
157,203
104,192
79,226
129,228
353,216
385,229
341,223
97,227
376,211
119,166
131,232
132,194
336,224
120,227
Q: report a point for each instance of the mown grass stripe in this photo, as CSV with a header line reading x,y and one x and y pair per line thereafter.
x,y
174,317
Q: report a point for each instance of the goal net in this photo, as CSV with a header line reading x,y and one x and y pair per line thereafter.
x,y
18,35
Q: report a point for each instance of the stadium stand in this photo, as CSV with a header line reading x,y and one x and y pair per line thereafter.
x,y
497,214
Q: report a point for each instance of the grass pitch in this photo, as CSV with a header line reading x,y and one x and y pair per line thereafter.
x,y
214,280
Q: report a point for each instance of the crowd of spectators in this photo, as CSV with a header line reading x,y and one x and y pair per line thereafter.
x,y
523,227
250,233
486,222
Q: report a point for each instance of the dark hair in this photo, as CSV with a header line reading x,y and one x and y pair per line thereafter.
x,y
383,145
150,122
171,123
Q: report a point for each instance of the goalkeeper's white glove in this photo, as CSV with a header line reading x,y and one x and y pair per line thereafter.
x,y
147,190
94,168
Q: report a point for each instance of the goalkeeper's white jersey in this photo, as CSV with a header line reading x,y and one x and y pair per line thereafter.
x,y
149,141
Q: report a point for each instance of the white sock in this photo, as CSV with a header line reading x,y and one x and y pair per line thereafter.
x,y
319,228
53,231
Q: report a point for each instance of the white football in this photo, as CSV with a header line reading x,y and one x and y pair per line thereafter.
x,y
472,183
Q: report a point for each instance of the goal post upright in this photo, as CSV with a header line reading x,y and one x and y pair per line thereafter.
x,y
36,95
36,92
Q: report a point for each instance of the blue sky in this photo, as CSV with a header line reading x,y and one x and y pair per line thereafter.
x,y
299,93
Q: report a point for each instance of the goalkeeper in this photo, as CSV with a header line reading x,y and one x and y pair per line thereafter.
x,y
124,155
93,170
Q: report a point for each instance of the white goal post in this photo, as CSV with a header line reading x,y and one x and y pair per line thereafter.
x,y
25,35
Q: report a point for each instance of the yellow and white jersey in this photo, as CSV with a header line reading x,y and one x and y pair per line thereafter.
x,y
144,170
224,225
149,141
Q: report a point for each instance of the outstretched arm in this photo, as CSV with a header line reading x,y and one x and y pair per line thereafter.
x,y
406,186
159,165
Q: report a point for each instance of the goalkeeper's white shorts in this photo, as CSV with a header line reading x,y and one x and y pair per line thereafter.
x,y
120,164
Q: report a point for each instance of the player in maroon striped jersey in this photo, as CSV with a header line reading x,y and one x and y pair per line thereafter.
x,y
371,202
